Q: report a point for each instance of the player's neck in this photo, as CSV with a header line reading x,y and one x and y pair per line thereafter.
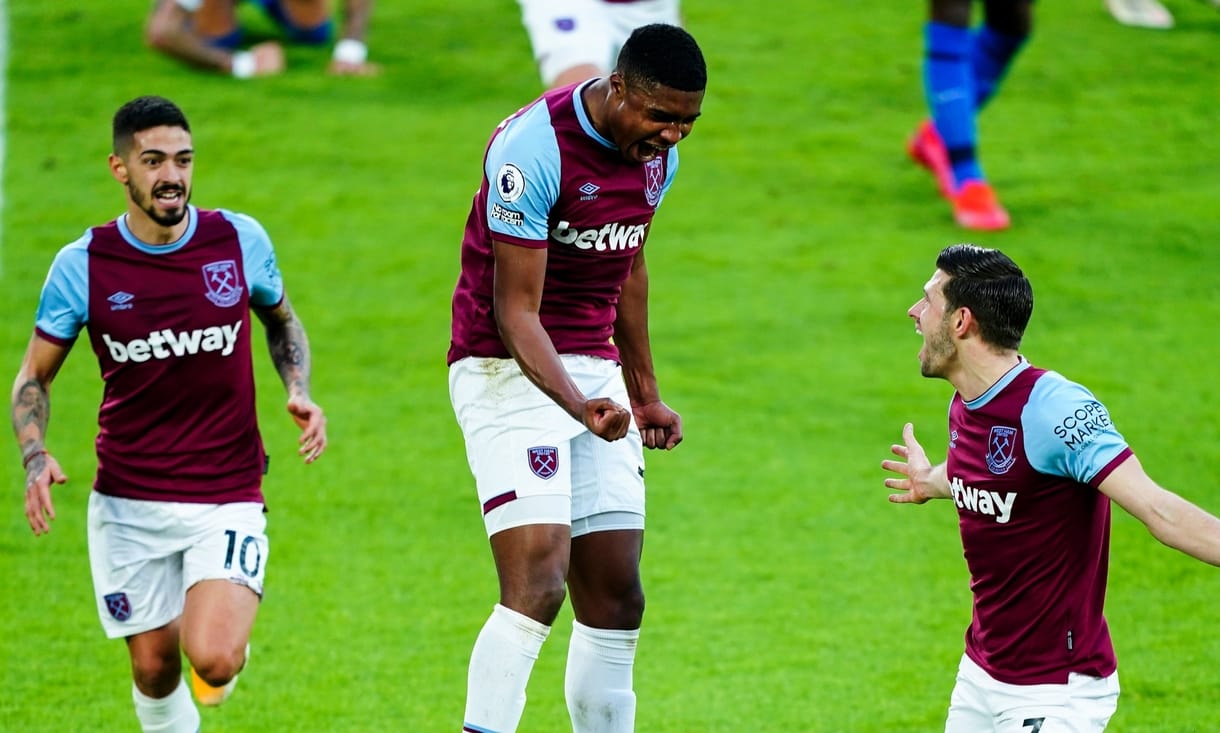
x,y
593,96
148,231
977,374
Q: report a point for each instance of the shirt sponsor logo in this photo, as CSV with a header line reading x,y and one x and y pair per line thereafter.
x,y
1001,449
991,503
613,236
121,301
166,344
654,176
510,183
508,216
221,281
1084,425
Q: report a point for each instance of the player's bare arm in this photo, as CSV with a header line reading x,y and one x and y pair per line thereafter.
x,y
921,480
31,413
660,426
351,52
1173,520
169,31
289,348
519,274
356,15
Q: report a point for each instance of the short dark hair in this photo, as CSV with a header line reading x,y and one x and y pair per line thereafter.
x,y
144,113
993,287
662,54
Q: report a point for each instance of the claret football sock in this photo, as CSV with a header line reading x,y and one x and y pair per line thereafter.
x,y
173,714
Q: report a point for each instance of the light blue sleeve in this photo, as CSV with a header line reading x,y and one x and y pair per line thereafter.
x,y
63,306
258,260
671,169
522,169
1067,431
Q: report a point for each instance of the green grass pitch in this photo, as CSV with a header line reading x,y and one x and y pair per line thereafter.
x,y
784,592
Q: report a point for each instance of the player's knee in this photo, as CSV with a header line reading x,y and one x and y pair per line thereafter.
x,y
157,36
156,675
625,610
218,666
548,599
631,609
540,601
621,608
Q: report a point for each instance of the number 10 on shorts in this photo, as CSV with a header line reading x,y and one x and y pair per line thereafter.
x,y
247,554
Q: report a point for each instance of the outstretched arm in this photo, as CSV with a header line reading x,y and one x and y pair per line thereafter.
x,y
289,349
660,426
921,480
1171,519
31,412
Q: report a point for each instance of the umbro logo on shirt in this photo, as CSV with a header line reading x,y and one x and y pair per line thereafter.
x,y
589,191
121,301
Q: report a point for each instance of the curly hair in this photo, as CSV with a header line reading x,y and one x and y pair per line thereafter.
x,y
661,54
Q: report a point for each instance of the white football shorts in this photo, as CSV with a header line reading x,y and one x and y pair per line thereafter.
x,y
532,462
145,555
981,703
567,33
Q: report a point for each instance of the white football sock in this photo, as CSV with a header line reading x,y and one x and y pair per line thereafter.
x,y
173,714
500,666
598,681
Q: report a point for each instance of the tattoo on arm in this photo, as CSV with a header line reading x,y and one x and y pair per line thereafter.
x,y
289,348
31,413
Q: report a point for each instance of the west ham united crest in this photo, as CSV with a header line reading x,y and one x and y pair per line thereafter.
x,y
544,460
1001,449
118,606
654,177
221,280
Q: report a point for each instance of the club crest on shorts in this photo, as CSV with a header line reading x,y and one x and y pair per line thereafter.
x,y
221,281
118,606
544,460
1001,449
654,176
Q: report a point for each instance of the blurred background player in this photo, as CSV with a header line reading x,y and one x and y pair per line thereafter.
x,y
177,535
551,374
962,69
206,33
1034,462
1140,13
575,40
